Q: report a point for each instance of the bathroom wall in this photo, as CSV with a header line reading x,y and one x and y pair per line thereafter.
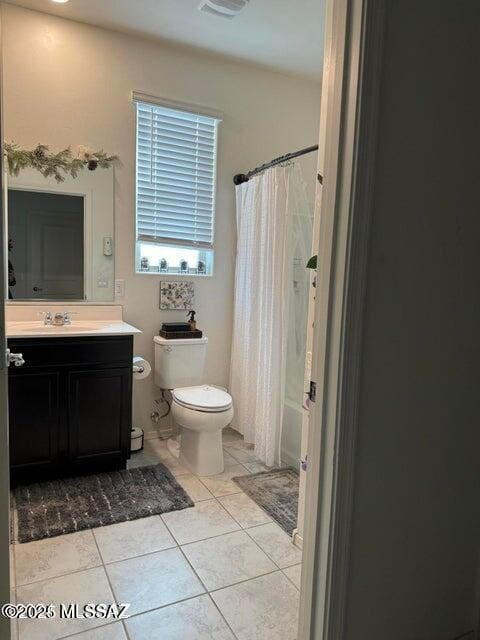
x,y
67,83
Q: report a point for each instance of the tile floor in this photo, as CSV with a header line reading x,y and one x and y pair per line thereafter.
x,y
222,569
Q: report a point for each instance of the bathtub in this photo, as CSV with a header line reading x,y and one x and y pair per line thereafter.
x,y
291,433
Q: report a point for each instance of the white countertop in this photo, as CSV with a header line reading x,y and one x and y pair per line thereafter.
x,y
76,329
23,321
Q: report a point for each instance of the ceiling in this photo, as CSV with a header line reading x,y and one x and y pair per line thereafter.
x,y
285,35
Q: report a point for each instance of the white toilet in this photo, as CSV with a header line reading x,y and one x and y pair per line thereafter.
x,y
202,411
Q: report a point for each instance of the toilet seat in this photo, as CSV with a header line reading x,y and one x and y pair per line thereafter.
x,y
204,398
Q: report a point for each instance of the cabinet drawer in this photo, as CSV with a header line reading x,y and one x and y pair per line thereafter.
x,y
98,351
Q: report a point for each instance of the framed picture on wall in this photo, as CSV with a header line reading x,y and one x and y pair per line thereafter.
x,y
177,295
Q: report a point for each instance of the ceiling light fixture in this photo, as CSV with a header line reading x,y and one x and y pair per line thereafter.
x,y
223,8
60,1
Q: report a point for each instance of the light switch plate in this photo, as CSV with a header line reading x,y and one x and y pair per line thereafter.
x,y
120,288
107,246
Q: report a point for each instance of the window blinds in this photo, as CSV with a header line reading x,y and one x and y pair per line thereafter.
x,y
176,166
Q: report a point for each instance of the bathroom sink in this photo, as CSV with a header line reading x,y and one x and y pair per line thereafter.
x,y
76,327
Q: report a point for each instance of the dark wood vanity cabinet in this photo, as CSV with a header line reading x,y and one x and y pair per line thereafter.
x,y
70,406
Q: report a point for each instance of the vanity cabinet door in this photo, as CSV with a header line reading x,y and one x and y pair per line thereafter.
x,y
34,409
99,415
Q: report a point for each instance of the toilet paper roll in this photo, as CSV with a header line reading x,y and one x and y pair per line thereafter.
x,y
141,368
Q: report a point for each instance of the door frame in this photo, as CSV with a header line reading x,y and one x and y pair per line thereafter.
x,y
5,626
354,35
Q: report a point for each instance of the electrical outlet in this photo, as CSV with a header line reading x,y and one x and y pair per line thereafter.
x,y
120,288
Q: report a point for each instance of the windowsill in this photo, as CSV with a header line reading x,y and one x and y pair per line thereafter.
x,y
165,274
156,255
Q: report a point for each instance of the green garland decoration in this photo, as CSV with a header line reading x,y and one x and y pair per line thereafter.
x,y
57,165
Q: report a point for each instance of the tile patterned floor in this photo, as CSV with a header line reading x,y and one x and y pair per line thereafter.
x,y
222,569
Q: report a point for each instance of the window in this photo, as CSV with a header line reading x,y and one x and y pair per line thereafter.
x,y
176,171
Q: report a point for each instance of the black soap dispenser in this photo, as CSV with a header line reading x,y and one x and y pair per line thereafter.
x,y
191,320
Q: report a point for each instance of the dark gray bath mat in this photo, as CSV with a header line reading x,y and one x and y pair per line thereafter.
x,y
49,509
276,492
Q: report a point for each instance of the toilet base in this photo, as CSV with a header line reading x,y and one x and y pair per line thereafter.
x,y
202,451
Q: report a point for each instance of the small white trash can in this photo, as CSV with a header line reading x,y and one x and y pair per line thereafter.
x,y
137,438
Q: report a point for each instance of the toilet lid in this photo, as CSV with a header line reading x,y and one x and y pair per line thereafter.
x,y
203,398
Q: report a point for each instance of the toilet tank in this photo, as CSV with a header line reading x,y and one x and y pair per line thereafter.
x,y
179,363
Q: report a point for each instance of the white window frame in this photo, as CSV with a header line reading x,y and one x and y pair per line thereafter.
x,y
139,97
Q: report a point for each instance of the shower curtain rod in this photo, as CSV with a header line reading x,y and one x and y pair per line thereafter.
x,y
245,177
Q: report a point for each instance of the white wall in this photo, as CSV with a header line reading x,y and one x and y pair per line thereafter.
x,y
69,83
416,523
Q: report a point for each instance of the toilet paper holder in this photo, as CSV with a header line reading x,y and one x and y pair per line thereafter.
x,y
141,368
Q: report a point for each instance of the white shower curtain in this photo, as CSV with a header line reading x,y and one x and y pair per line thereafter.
x,y
264,287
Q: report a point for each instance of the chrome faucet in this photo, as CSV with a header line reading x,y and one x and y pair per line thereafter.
x,y
58,320
61,319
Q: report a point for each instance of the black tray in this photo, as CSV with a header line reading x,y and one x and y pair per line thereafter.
x,y
180,335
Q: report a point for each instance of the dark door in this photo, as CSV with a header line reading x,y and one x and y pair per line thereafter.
x,y
46,232
34,411
99,414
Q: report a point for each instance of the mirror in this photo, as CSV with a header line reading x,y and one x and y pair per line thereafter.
x,y
60,236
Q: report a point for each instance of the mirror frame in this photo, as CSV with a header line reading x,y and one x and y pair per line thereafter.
x,y
97,190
